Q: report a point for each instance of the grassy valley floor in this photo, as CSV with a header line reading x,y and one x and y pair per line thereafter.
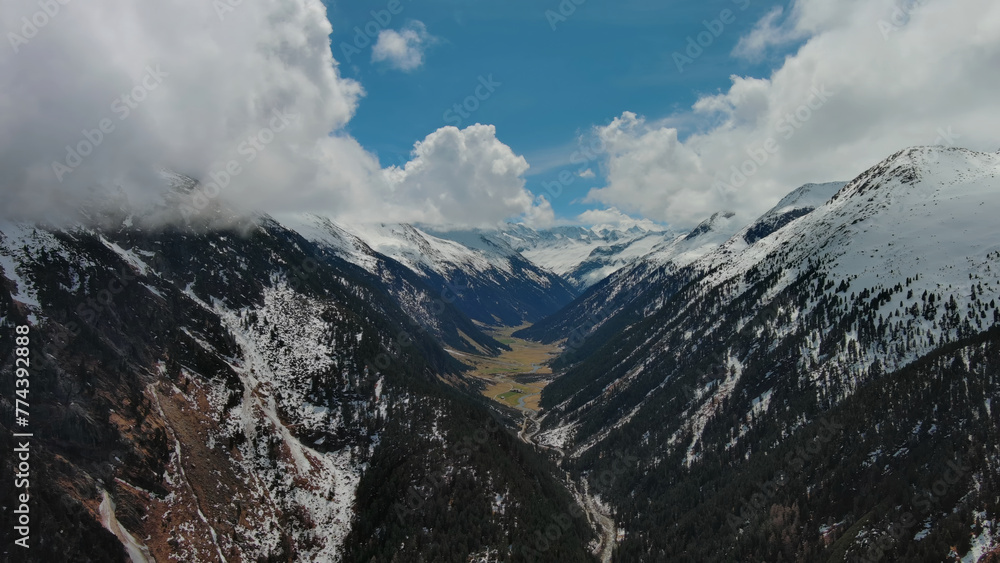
x,y
516,377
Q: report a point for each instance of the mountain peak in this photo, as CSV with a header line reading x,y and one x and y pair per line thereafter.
x,y
797,204
943,165
713,223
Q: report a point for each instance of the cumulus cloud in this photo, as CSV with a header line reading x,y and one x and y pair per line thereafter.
x,y
869,79
403,49
246,99
462,177
109,92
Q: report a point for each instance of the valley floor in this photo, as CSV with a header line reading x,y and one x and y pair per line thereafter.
x,y
516,377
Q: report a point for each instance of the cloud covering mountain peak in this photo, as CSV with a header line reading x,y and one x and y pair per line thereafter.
x,y
246,98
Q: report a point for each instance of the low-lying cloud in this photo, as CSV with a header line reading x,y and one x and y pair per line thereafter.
x,y
244,96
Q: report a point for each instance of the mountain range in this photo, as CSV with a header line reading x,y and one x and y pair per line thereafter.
x,y
815,385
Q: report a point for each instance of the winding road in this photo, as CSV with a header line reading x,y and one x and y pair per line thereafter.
x,y
604,524
531,425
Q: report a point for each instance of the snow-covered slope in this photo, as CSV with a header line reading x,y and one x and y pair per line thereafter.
x,y
638,286
584,256
919,220
238,394
797,204
425,253
704,238
737,352
427,298
485,278
642,285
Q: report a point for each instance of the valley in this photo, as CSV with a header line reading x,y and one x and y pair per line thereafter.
x,y
517,376
308,281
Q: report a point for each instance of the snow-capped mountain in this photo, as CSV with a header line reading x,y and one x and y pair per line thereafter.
x,y
799,203
486,279
532,266
583,255
870,321
241,394
642,286
431,304
704,238
814,386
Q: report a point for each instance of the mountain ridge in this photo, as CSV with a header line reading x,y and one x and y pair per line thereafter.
x,y
752,345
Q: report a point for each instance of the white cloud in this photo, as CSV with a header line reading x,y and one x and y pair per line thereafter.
x,y
221,76
403,49
613,218
884,90
462,177
588,173
541,215
256,87
770,31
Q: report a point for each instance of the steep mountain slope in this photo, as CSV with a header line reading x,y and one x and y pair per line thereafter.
x,y
430,302
638,290
797,204
239,394
490,282
716,381
627,291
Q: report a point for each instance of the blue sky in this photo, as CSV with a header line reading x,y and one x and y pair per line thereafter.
x,y
783,94
555,85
